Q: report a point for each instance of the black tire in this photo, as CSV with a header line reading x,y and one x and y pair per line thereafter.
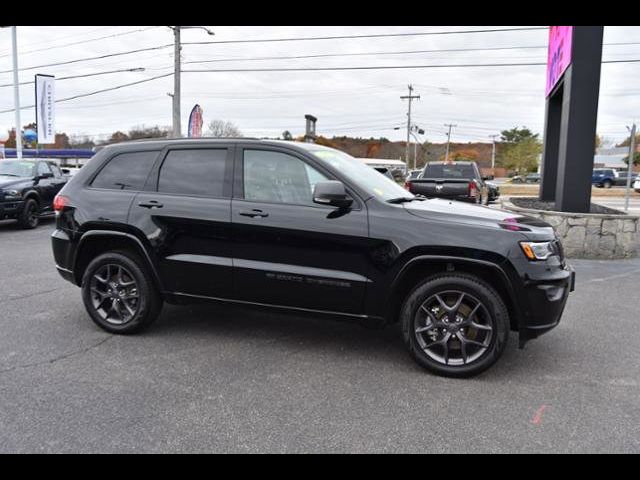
x,y
29,218
147,302
494,313
607,184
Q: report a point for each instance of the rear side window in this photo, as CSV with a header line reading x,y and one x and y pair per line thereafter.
x,y
199,172
127,171
450,171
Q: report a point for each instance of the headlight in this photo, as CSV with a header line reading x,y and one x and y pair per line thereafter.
x,y
12,193
537,250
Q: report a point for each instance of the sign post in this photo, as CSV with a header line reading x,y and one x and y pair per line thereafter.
x,y
46,109
573,86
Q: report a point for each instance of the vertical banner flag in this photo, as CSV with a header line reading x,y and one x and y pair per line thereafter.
x,y
559,56
46,108
195,122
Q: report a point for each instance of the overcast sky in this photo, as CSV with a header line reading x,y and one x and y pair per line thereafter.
x,y
481,101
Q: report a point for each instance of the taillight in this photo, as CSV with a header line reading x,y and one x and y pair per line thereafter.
x,y
408,185
473,189
60,203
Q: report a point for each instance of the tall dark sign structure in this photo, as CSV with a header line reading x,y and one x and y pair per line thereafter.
x,y
573,86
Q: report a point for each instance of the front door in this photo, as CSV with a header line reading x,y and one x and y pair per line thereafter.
x,y
185,214
289,251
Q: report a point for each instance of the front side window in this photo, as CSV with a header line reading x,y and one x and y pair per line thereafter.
x,y
197,172
43,169
127,171
275,177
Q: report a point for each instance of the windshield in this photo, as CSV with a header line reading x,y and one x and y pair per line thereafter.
x,y
362,175
449,171
14,168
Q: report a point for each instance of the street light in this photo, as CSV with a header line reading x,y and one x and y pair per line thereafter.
x,y
16,90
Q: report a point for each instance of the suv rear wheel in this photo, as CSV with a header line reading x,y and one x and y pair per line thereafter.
x,y
119,293
455,325
607,184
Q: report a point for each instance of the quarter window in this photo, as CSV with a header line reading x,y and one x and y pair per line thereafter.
x,y
199,172
127,171
278,178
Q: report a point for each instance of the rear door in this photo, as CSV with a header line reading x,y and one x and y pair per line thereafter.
x,y
289,251
185,213
46,186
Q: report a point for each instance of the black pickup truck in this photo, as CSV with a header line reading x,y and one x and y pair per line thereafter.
x,y
453,181
27,190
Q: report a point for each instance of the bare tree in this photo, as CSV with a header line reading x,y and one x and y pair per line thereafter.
x,y
220,128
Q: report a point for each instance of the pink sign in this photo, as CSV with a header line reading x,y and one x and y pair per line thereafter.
x,y
559,58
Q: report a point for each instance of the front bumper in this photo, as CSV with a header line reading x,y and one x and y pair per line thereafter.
x,y
10,208
546,299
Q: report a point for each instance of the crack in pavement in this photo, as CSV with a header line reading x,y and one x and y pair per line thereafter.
x,y
58,358
29,295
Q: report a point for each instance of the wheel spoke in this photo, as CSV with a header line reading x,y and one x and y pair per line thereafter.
x,y
479,326
445,346
463,347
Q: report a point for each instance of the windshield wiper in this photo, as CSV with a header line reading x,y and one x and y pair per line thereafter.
x,y
401,200
9,175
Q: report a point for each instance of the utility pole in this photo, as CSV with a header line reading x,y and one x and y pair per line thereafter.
x,y
450,125
409,97
493,153
177,125
632,154
177,70
16,93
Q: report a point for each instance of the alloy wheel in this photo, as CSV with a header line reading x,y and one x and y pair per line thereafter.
x,y
115,294
453,328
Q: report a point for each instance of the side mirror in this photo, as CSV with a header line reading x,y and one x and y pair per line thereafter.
x,y
332,193
45,175
488,177
66,171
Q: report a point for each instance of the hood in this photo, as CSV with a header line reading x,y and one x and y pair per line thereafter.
x,y
477,215
9,181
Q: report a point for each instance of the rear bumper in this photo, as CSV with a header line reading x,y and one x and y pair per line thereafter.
x,y
546,300
63,254
10,209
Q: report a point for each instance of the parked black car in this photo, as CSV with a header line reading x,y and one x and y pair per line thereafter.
x,y
460,181
301,227
27,190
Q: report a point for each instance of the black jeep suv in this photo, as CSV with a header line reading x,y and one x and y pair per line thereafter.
x,y
27,190
301,227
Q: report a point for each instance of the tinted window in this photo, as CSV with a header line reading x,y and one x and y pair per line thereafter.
x,y
279,178
449,171
127,171
194,172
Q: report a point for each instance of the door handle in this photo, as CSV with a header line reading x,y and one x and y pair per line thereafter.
x,y
150,204
255,213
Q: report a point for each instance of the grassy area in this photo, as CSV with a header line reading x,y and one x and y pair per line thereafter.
x,y
515,189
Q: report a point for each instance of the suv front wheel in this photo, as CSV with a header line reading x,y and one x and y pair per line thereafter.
x,y
455,325
119,293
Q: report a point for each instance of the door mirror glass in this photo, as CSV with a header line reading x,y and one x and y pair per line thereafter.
x,y
332,193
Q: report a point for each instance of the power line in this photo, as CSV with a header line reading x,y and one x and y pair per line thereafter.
x,y
382,67
82,95
87,59
378,35
84,41
137,69
404,52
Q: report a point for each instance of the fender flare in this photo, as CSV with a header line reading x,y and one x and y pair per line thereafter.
x,y
508,282
111,233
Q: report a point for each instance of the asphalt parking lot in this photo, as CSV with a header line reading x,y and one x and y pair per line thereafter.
x,y
218,379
